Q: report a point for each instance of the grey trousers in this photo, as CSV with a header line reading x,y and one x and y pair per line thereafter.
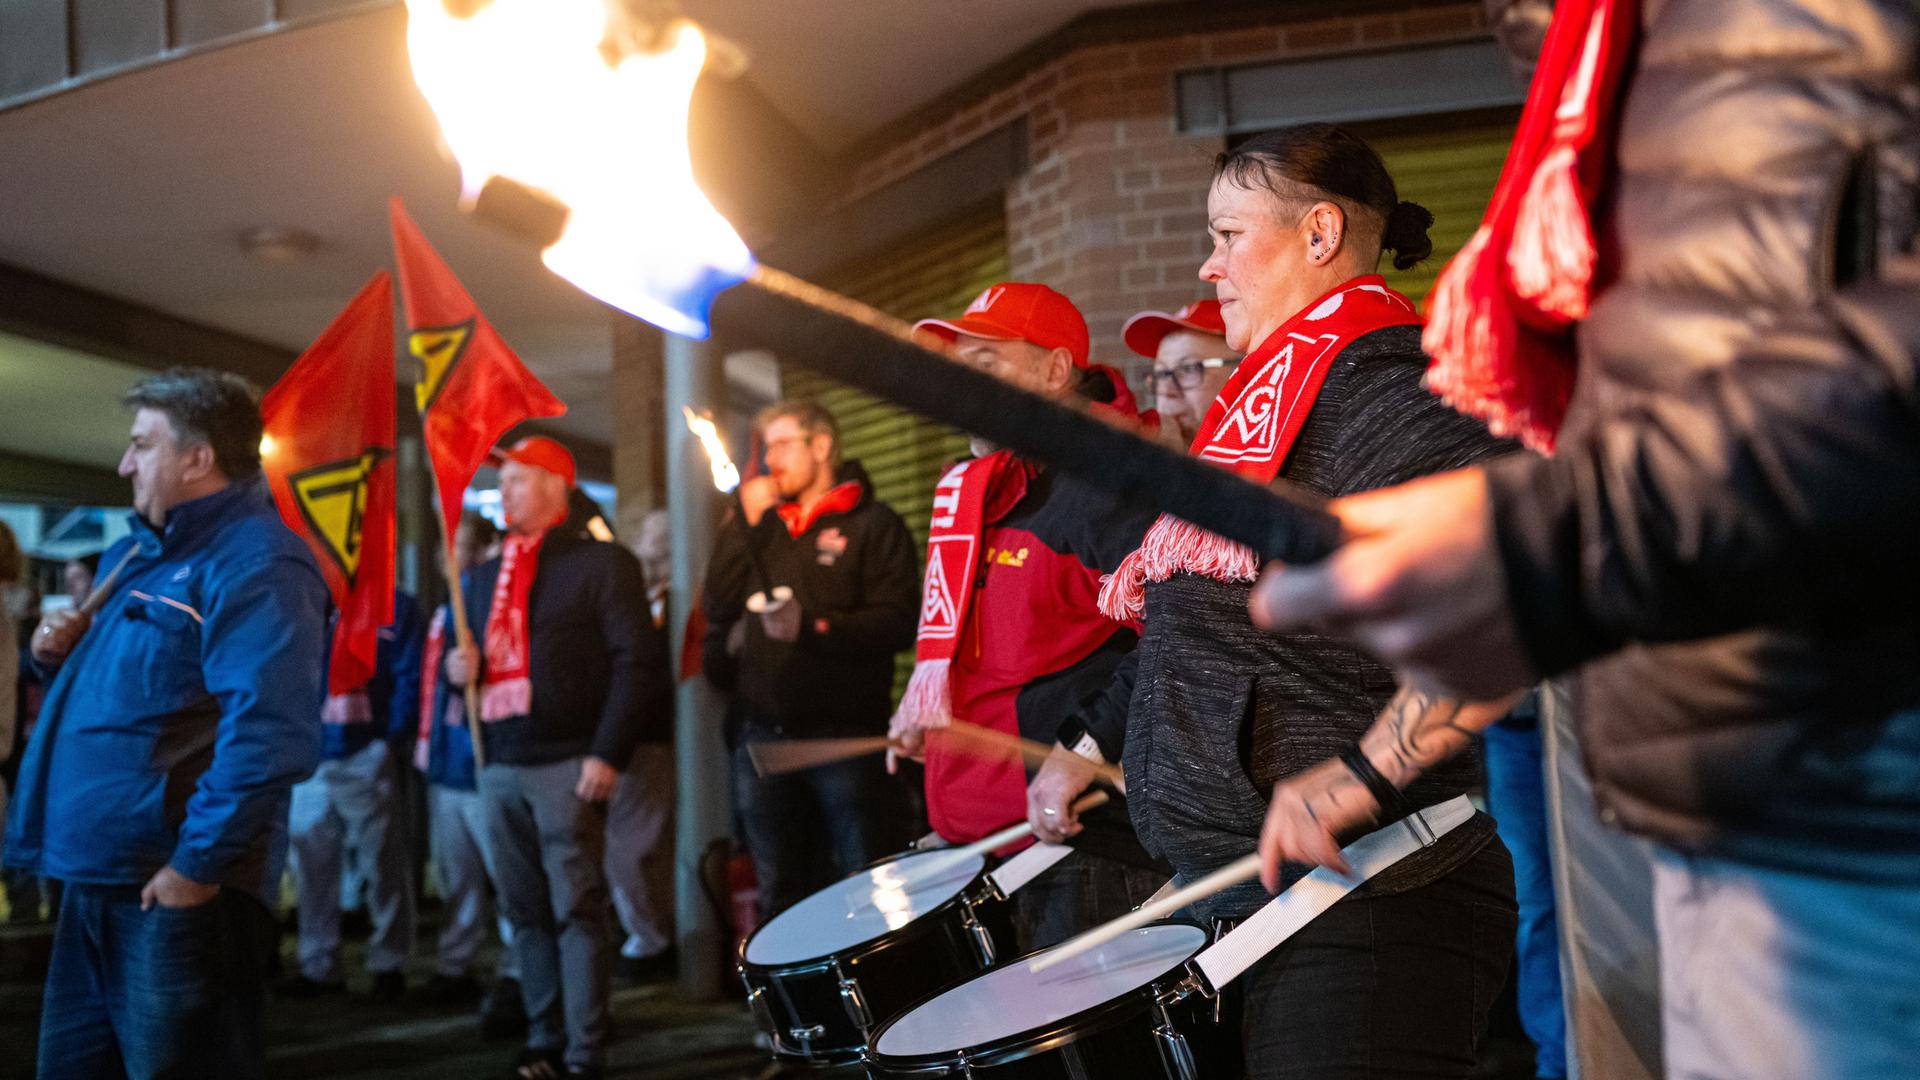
x,y
547,845
640,851
347,809
458,831
1769,975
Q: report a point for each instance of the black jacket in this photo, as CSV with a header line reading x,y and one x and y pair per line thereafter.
x,y
1221,710
857,582
1781,492
1738,459
599,667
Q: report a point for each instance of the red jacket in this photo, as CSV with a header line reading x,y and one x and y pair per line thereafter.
x,y
1035,645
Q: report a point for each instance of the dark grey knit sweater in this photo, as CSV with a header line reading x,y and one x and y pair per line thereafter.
x,y
1220,710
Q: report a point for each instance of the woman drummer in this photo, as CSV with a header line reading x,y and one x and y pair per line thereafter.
x,y
1397,978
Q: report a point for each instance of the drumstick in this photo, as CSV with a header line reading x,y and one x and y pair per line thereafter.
x,y
103,587
792,755
996,841
1226,877
1025,829
1034,752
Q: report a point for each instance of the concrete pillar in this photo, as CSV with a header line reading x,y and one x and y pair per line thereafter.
x,y
639,450
693,377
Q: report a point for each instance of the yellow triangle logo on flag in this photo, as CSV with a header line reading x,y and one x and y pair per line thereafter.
x,y
439,349
333,500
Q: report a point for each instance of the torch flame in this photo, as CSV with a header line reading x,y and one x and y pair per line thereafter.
x,y
725,476
555,95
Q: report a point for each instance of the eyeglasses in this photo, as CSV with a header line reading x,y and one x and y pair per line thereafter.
x,y
1187,376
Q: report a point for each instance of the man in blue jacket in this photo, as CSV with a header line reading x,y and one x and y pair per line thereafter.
x,y
179,718
350,809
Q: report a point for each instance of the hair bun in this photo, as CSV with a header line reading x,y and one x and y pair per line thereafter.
x,y
1406,234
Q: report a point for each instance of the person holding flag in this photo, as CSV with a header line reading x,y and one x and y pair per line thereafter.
x,y
546,751
569,677
182,711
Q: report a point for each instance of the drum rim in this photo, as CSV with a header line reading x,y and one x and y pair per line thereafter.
x,y
1030,1041
916,927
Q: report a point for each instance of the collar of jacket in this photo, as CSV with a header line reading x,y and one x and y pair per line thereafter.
x,y
839,500
196,517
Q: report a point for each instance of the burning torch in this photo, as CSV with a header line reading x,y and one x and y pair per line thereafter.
x,y
569,121
726,479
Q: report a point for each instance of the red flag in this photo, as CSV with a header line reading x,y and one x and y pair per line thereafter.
x,y
329,459
472,387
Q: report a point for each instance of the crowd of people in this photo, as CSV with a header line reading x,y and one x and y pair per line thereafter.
x,y
185,757
1713,545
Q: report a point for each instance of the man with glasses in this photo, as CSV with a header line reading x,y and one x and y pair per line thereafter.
x,y
810,593
1191,362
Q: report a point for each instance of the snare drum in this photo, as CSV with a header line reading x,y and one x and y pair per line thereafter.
x,y
1125,1009
821,974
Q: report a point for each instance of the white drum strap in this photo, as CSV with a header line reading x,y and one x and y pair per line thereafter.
x,y
1026,866
1284,915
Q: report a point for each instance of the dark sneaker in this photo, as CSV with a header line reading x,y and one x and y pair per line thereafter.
x,y
659,967
388,987
446,990
531,1064
299,988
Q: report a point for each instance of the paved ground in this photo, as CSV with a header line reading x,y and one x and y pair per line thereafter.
x,y
657,1035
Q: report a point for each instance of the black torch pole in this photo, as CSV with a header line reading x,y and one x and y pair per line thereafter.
x,y
753,549
855,344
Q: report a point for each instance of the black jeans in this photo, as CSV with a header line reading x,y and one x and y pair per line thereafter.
x,y
1076,894
808,829
1390,986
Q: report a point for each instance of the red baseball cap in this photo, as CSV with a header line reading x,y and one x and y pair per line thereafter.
x,y
1019,311
1143,332
543,453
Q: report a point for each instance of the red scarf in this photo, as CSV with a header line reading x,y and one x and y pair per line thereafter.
x,y
971,496
1250,428
1500,322
507,689
838,501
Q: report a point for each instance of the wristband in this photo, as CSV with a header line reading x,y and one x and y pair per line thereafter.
x,y
1393,802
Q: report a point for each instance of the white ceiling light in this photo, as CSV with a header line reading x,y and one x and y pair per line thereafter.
x,y
272,243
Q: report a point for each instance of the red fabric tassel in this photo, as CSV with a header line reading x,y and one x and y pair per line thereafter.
x,y
1499,324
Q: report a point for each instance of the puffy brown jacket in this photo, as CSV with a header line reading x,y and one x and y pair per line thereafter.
x,y
1725,461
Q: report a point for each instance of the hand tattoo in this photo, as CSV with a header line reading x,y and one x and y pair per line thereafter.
x,y
1419,730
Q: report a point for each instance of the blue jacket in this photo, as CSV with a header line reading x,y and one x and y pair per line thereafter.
x,y
394,690
449,743
181,721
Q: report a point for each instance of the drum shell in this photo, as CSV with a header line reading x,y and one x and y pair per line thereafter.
x,y
932,952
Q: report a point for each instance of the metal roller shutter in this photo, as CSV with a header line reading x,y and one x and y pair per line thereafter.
x,y
936,274
1450,168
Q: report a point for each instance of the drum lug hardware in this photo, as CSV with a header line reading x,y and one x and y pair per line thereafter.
x,y
853,1000
762,1013
1178,992
1174,1051
805,1035
982,940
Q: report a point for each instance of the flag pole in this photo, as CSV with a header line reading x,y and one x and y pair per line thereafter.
x,y
457,601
